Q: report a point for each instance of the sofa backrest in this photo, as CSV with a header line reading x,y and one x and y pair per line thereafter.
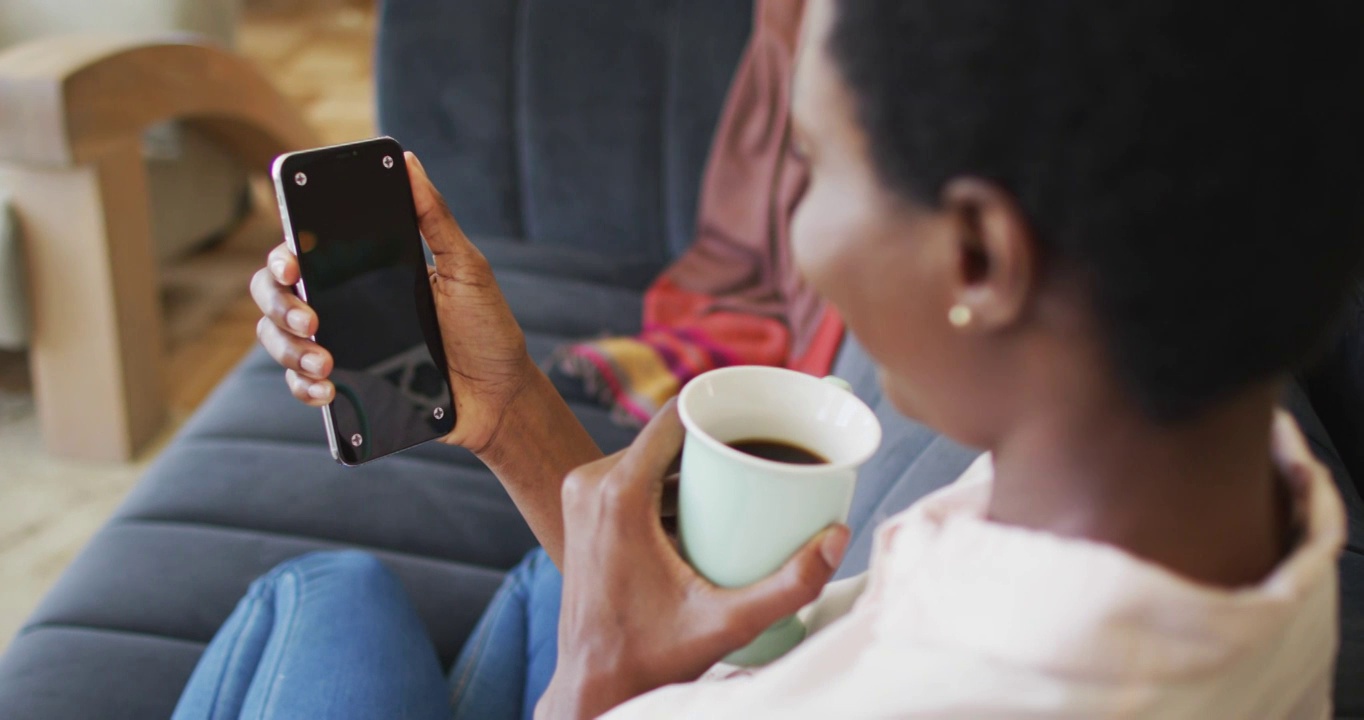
x,y
577,123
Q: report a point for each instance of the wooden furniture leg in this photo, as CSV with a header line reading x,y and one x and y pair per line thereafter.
x,y
72,113
97,349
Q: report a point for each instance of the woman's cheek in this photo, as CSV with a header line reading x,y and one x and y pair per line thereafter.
x,y
820,241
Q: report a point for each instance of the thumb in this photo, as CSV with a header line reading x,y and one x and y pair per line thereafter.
x,y
448,242
795,585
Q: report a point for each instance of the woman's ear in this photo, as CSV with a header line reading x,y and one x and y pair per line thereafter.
x,y
996,255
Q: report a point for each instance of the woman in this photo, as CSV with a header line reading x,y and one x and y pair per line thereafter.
x,y
1090,238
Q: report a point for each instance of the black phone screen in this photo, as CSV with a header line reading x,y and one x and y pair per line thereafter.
x,y
364,272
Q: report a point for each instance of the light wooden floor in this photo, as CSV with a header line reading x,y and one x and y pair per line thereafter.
x,y
318,52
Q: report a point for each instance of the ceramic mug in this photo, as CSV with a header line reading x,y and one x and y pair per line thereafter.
x,y
741,517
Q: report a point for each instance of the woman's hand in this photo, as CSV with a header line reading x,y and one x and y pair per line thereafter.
x,y
635,615
485,349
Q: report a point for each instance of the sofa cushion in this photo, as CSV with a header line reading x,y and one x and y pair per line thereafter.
x,y
77,672
568,123
559,309
405,503
182,580
253,404
584,266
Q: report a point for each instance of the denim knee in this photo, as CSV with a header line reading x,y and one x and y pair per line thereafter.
x,y
355,568
536,561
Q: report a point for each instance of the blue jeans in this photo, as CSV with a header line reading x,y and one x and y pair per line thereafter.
x,y
333,635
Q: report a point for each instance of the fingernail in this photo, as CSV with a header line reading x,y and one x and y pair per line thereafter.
x,y
297,320
417,161
833,545
312,362
277,269
319,391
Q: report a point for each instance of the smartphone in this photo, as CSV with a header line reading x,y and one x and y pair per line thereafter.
x,y
349,218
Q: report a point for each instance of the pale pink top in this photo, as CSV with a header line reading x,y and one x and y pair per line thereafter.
x,y
966,618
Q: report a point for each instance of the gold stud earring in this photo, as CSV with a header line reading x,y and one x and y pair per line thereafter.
x,y
959,316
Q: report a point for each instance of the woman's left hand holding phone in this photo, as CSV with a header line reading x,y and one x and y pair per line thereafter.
x,y
484,345
495,382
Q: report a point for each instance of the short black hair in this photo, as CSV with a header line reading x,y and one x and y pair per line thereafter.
x,y
1197,165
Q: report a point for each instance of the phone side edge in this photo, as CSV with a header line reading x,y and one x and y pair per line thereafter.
x,y
275,173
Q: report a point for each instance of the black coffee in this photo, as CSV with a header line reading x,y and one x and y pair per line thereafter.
x,y
779,451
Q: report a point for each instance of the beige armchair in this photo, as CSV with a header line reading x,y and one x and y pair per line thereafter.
x,y
198,191
73,110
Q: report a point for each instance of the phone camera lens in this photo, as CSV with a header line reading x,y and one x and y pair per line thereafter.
x,y
301,179
388,161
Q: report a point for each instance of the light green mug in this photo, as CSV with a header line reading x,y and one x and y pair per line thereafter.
x,y
741,517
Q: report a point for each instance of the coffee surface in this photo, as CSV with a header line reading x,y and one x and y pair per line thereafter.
x,y
779,451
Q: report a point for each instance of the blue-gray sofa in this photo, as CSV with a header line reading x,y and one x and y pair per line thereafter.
x,y
569,137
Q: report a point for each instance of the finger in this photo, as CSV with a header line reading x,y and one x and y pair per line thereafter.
x,y
795,585
670,532
672,478
310,392
648,459
449,245
304,357
281,306
667,504
580,486
283,265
